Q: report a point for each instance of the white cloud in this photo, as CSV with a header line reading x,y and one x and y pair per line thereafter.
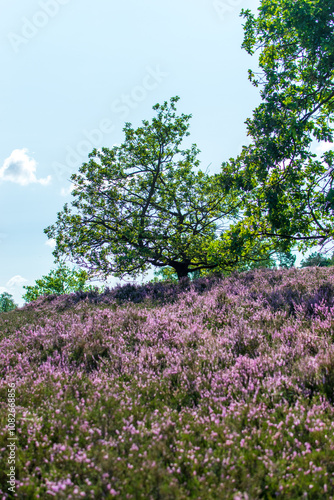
x,y
14,288
51,243
15,282
21,169
14,285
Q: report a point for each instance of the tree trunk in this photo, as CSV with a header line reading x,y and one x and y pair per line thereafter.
x,y
181,270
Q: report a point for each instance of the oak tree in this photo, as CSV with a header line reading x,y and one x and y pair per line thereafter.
x,y
289,190
146,203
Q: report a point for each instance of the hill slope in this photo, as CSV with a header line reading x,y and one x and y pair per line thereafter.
x,y
223,390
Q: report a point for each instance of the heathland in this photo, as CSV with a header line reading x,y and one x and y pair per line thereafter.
x,y
219,388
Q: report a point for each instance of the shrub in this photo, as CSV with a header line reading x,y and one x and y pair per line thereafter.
x,y
7,302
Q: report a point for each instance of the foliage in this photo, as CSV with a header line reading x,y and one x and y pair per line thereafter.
x,y
154,292
58,282
141,204
288,190
286,260
317,259
169,274
219,395
165,274
7,302
260,259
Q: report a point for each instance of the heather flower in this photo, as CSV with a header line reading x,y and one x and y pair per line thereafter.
x,y
219,388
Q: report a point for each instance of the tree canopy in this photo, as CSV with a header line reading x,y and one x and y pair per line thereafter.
x,y
289,191
7,302
317,259
145,203
58,282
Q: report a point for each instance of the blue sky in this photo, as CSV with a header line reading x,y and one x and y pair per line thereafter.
x,y
74,72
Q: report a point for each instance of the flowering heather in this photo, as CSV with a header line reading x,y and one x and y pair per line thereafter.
x,y
216,389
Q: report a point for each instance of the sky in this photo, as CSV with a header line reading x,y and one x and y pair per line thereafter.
x,y
75,71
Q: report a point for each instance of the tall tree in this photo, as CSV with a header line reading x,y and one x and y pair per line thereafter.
x,y
289,191
145,203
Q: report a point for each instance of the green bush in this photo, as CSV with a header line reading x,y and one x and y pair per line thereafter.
x,y
317,259
58,282
7,302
